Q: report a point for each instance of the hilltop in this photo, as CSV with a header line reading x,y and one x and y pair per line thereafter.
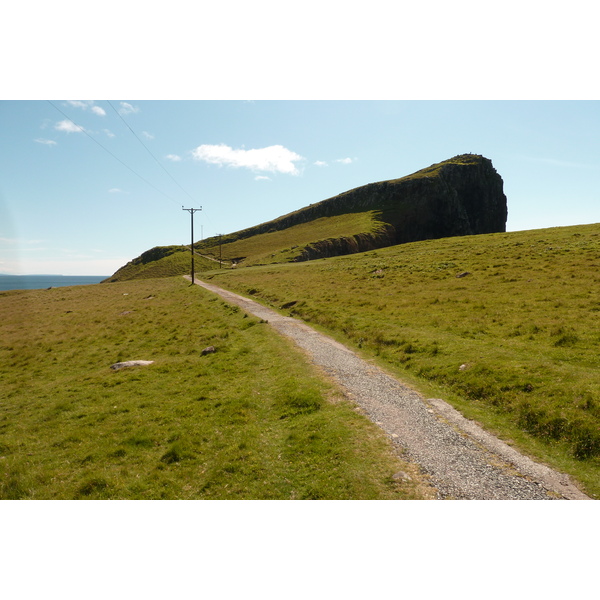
x,y
460,196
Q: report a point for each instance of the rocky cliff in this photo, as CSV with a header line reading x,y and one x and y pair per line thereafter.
x,y
460,196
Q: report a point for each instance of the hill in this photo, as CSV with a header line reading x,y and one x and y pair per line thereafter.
x,y
460,196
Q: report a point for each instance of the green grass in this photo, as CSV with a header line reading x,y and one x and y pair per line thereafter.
x,y
287,244
251,421
504,326
176,263
267,248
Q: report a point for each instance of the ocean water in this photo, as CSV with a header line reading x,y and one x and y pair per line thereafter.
x,y
41,282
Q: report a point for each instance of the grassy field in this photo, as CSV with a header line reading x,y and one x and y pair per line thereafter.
x,y
504,326
252,420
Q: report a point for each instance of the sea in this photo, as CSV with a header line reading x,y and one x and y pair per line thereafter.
x,y
42,282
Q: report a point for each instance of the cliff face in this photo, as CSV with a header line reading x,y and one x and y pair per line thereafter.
x,y
360,242
461,196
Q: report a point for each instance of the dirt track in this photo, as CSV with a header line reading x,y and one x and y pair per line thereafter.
x,y
461,459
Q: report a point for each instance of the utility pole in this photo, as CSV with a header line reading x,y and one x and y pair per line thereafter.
x,y
220,252
192,211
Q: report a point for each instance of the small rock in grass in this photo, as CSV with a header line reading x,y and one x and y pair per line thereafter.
x,y
130,363
463,274
208,350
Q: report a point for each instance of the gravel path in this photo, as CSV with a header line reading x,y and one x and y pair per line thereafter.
x,y
461,459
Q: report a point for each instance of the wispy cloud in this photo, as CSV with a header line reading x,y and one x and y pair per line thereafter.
x,y
128,109
147,135
116,191
320,163
274,159
262,178
18,241
87,104
109,133
45,142
77,104
68,126
173,157
345,161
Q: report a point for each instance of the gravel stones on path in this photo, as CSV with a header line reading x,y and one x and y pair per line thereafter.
x,y
462,460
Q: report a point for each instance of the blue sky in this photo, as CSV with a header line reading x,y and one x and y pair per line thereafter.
x,y
88,185
287,105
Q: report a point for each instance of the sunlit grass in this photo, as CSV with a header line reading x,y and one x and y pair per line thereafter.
x,y
287,244
176,263
251,420
505,326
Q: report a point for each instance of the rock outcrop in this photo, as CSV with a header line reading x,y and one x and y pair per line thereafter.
x,y
460,196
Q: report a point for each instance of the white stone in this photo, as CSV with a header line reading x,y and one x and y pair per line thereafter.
x,y
131,363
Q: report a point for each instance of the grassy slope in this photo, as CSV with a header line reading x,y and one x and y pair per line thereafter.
x,y
252,420
512,344
178,263
287,244
266,248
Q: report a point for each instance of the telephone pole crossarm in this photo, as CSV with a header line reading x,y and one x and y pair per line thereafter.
x,y
192,211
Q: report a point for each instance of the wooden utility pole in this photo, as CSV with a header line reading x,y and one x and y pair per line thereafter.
x,y
192,211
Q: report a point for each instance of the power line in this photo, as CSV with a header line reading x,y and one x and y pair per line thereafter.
x,y
148,150
109,152
126,165
206,217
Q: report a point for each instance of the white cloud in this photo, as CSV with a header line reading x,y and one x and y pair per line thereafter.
x,y
127,109
46,142
320,163
68,126
116,191
173,157
262,178
147,135
109,133
84,105
275,159
345,161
